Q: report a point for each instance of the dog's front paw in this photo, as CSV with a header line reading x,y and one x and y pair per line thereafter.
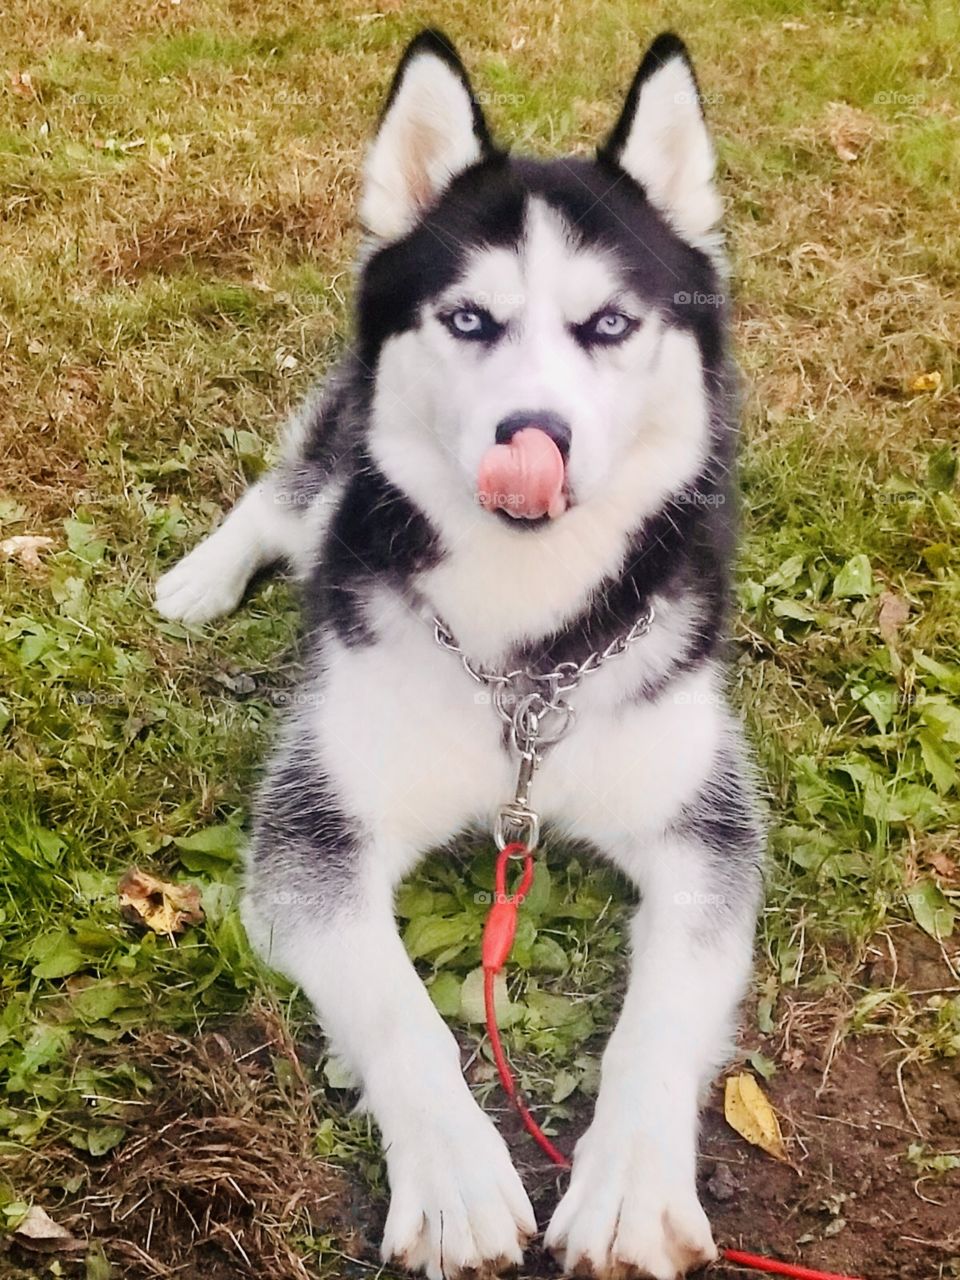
x,y
207,584
457,1204
627,1212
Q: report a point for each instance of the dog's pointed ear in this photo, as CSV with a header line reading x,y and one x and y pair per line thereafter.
x,y
661,139
431,129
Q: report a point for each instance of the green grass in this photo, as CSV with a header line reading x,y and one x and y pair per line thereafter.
x,y
173,273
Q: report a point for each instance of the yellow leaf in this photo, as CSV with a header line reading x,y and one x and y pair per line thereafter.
x,y
927,381
156,904
746,1109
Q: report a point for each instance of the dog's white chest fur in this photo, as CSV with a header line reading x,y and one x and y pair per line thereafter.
x,y
410,737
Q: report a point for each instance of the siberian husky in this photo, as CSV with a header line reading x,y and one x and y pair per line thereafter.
x,y
522,468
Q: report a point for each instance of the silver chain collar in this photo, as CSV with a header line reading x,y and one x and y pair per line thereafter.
x,y
534,707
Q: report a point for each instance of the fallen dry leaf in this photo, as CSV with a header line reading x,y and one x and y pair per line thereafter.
x,y
927,381
746,1109
893,613
22,85
39,1231
848,130
943,865
157,904
782,397
25,547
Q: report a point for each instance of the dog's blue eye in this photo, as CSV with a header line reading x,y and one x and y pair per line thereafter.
x,y
467,322
472,323
612,324
605,327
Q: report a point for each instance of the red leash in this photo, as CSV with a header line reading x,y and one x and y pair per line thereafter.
x,y
498,934
776,1268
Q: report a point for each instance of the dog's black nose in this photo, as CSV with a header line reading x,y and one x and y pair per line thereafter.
x,y
551,423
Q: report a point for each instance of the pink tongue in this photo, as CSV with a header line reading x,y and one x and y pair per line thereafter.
x,y
524,478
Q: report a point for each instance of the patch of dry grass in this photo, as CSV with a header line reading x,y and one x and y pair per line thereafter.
x,y
217,1175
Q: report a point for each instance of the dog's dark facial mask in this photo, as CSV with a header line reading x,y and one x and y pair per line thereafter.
x,y
585,293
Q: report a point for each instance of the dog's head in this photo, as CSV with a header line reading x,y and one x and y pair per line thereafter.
x,y
540,334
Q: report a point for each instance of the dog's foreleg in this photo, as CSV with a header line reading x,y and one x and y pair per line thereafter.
x,y
632,1201
457,1203
210,581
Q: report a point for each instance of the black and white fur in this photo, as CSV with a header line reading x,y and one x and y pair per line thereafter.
x,y
387,752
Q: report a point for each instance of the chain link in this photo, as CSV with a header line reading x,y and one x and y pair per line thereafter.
x,y
532,704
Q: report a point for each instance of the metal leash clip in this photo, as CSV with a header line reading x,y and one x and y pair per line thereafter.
x,y
516,822
534,708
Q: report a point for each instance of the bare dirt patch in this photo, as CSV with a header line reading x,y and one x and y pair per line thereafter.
x,y
853,1203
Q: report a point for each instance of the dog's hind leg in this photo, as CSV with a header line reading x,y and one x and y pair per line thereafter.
x,y
319,907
